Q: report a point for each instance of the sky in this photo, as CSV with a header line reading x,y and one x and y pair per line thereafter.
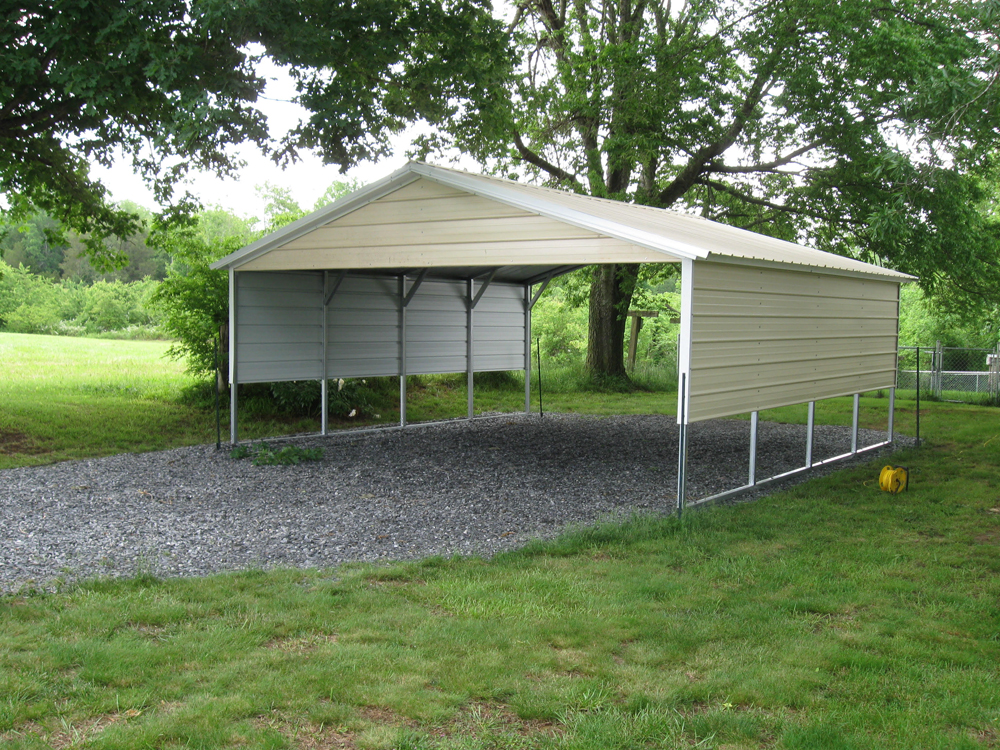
x,y
307,179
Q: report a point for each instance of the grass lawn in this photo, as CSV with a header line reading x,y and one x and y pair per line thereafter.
x,y
69,398
828,616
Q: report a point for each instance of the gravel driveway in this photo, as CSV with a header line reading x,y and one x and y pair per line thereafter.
x,y
460,487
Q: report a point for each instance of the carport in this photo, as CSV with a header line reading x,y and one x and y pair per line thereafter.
x,y
433,270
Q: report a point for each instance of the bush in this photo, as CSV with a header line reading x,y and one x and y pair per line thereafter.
x,y
265,455
33,304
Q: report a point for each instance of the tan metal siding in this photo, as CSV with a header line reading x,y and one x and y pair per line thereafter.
x,y
475,254
764,337
424,224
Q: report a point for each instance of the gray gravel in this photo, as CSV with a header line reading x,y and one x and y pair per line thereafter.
x,y
456,488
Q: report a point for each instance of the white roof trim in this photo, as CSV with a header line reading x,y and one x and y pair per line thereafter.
x,y
895,276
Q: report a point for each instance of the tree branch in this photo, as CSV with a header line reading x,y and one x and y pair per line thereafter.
x,y
689,175
768,167
532,158
729,189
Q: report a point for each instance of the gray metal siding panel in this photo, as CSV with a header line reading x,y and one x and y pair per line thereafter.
x,y
436,328
279,326
363,328
499,340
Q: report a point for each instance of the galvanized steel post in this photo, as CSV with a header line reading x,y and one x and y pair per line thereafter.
x,y
402,351
810,425
892,410
854,424
469,346
234,434
324,387
527,349
682,449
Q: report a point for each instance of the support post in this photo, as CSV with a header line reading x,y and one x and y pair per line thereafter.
x,y
682,449
754,422
810,429
325,384
402,351
527,348
234,432
854,423
892,411
324,394
938,368
469,345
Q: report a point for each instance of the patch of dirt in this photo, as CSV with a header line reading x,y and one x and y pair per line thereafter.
x,y
990,537
303,644
988,736
477,719
70,735
304,735
381,716
12,441
484,718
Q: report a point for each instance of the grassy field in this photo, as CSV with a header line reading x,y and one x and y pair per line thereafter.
x,y
68,398
827,616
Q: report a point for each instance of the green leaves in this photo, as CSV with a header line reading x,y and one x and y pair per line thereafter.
x,y
266,455
172,86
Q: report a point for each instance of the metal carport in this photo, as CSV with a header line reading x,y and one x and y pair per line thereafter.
x,y
434,270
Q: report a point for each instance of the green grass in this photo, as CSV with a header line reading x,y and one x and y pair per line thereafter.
x,y
69,398
828,616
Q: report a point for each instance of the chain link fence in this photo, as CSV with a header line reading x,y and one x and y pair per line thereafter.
x,y
950,373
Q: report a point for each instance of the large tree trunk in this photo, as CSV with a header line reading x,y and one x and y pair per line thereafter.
x,y
610,297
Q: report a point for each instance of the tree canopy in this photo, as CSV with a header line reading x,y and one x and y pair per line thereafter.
x,y
865,128
171,85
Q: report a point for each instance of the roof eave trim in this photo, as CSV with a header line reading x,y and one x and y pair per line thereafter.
x,y
306,224
582,219
888,274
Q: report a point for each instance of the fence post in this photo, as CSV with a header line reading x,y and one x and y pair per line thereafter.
x,y
993,383
938,366
918,396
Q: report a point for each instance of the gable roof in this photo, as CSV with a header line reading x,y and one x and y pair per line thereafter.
x,y
463,224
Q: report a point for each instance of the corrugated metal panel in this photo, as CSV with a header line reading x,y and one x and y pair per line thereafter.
x,y
391,232
763,338
436,310
279,326
498,343
363,328
669,231
444,210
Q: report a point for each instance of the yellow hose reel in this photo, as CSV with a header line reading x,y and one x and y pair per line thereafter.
x,y
893,479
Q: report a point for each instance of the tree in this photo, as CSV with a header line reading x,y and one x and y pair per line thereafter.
x,y
194,299
858,127
171,85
